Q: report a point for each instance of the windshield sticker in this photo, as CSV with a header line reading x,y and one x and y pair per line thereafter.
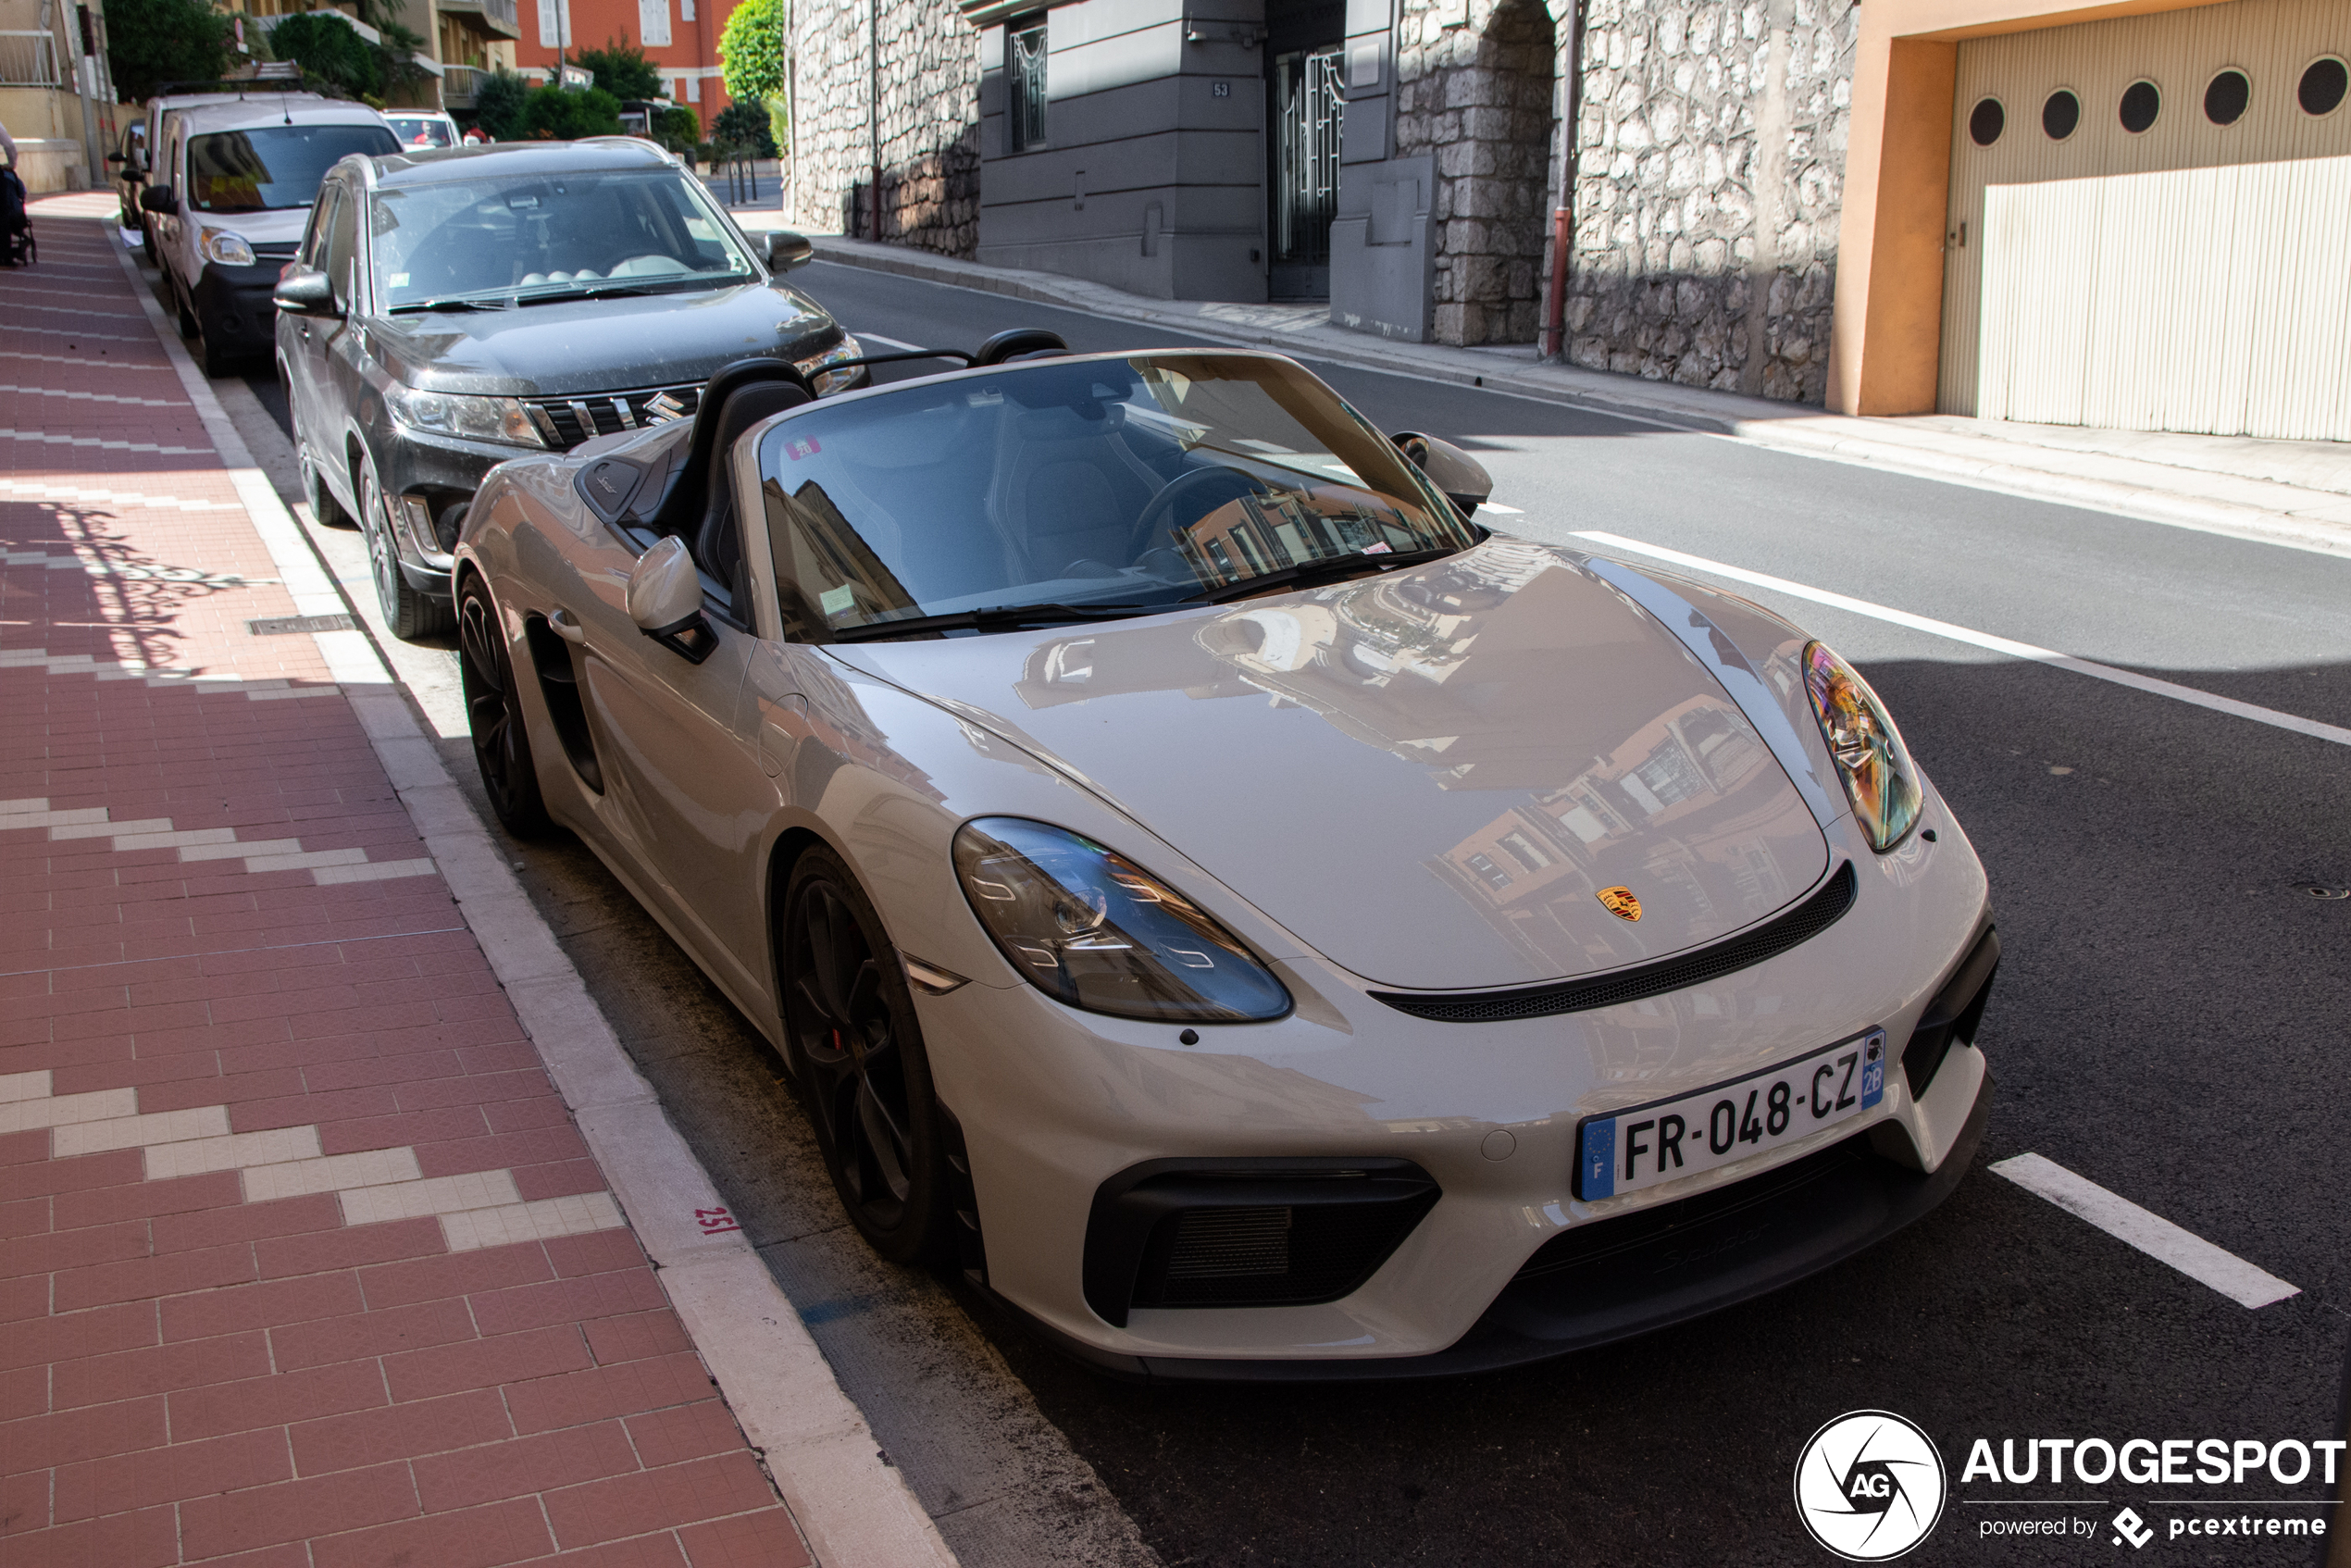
x,y
986,397
400,280
837,601
804,447
1382,548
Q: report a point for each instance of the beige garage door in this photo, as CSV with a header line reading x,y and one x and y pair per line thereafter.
x,y
2150,224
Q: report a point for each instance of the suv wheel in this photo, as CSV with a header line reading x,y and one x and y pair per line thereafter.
x,y
410,615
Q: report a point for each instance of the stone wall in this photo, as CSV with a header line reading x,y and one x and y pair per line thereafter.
x,y
1711,161
926,140
1474,85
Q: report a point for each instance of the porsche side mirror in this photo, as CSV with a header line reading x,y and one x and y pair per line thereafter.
x,y
305,290
787,250
159,200
664,600
1462,478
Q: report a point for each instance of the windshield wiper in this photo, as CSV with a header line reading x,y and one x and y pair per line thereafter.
x,y
453,302
1000,616
1330,568
593,292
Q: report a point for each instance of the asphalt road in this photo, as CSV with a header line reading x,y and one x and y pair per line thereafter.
x,y
2170,1023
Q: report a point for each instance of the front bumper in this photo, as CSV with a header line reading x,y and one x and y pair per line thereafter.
x,y
234,310
443,472
1507,1266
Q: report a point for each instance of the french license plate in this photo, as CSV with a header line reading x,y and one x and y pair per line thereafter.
x,y
1627,1150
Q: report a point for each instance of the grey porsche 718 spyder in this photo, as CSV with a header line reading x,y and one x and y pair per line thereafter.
x,y
1260,922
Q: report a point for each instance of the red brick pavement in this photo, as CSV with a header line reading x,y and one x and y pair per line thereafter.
x,y
302,1261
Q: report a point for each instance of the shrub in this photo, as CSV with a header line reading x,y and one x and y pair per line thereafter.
x,y
743,124
325,46
566,117
677,129
622,70
498,104
153,42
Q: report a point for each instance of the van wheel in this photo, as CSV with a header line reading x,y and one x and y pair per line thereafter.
x,y
188,325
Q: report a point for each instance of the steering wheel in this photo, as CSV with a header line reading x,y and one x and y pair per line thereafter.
x,y
1233,482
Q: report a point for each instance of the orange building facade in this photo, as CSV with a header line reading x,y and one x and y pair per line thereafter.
x,y
680,37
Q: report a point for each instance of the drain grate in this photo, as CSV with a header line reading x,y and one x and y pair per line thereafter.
x,y
286,626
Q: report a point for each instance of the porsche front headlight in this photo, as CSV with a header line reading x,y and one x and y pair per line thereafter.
x,y
229,250
502,420
1088,927
1879,779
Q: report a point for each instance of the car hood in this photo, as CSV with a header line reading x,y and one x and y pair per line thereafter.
x,y
1430,776
599,345
275,226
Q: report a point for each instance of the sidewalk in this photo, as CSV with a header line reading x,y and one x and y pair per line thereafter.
x,y
329,1211
2289,492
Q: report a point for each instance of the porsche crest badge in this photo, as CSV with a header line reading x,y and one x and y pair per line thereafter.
x,y
1619,903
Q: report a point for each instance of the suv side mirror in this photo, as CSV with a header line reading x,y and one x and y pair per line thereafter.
x,y
787,250
160,200
664,600
1462,478
116,158
305,290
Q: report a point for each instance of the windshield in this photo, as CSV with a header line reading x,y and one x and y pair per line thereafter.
x,y
272,165
1145,482
421,133
555,233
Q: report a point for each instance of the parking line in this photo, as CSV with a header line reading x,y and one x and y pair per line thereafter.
x,y
2240,1282
887,342
2013,649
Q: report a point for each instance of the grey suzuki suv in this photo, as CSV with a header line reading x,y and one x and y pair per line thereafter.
x,y
454,308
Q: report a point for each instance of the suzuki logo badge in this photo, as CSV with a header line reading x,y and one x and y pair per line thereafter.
x,y
1619,903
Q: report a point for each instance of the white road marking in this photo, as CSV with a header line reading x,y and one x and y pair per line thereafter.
x,y
2013,649
889,343
1494,506
2240,1282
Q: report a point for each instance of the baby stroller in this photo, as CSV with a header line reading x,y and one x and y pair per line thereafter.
x,y
17,248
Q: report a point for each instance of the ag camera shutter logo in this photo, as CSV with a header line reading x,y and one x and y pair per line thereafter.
x,y
1870,1486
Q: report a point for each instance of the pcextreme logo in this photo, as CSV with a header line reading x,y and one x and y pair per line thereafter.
x,y
1869,1485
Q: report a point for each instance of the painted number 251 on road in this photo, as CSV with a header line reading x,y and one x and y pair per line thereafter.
x,y
1627,1151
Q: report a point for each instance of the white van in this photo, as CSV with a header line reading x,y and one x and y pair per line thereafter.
x,y
229,193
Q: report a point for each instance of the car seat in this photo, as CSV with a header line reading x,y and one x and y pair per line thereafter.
x,y
701,510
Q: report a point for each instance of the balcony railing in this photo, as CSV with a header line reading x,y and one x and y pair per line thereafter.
x,y
499,16
29,60
458,84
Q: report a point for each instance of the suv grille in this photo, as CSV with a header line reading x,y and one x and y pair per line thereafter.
x,y
567,421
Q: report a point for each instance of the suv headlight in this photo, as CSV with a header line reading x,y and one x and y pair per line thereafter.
x,y
1087,926
227,249
1879,779
452,413
825,380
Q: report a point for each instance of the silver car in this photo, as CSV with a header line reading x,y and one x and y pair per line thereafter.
x,y
1264,923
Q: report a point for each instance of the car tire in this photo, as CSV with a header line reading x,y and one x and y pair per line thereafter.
x,y
147,243
217,362
409,614
856,1054
501,735
188,324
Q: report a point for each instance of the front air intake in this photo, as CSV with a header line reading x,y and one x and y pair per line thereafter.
x,y
1247,1233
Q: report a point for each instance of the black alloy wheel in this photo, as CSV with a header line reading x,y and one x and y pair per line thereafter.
x,y
857,1055
410,613
501,740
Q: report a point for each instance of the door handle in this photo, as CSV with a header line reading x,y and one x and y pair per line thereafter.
x,y
566,627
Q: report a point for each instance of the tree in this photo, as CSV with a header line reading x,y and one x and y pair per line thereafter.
x,y
755,50
498,104
566,117
326,47
155,42
677,128
745,123
622,70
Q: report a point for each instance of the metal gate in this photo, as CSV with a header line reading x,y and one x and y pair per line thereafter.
x,y
1309,108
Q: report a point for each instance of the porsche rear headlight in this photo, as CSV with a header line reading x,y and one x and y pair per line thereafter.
x,y
1879,779
1089,927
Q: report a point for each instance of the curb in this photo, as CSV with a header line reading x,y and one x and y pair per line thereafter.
x,y
1999,472
853,1509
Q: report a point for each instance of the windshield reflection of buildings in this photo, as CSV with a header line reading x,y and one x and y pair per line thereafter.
x,y
1256,534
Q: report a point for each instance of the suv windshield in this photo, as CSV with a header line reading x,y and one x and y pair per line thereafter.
x,y
272,165
1144,481
554,233
418,132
